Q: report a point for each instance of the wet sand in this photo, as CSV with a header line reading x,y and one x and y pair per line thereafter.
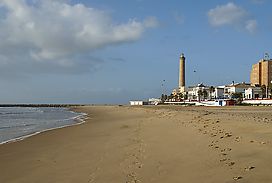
x,y
148,144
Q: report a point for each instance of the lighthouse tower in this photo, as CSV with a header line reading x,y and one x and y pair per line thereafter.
x,y
182,73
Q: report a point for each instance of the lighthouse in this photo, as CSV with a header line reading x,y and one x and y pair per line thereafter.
x,y
182,73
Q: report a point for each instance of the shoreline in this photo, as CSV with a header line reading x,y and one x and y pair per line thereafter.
x,y
148,144
79,119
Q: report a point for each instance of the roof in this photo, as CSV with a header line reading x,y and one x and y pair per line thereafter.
x,y
239,85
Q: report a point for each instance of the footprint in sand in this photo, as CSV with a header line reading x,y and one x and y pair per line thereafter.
x,y
213,135
224,159
237,139
237,177
231,163
227,134
249,168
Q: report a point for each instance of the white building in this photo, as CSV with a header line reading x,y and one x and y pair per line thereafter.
x,y
229,90
198,92
154,101
253,93
218,92
136,102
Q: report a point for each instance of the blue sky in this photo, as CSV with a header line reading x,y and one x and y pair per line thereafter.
x,y
104,51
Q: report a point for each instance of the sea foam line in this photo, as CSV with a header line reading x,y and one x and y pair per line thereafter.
x,y
81,118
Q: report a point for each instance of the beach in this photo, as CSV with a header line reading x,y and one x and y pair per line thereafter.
x,y
123,144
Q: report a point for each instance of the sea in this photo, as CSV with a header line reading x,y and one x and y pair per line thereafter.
x,y
17,123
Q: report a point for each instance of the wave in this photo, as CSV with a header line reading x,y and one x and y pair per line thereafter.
x,y
27,111
16,126
81,118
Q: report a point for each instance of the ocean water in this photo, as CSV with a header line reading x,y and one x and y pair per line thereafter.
x,y
19,122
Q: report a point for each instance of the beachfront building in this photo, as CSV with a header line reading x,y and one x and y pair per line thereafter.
x,y
254,93
136,102
235,88
261,73
199,92
154,101
218,92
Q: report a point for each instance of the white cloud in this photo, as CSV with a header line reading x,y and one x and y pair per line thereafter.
x,y
226,15
251,26
178,18
231,15
56,31
151,22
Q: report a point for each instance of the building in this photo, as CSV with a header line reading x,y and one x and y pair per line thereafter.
x,y
261,73
218,92
235,88
254,93
198,92
136,102
154,101
182,73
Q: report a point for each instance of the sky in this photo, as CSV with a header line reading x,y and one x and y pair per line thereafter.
x,y
110,52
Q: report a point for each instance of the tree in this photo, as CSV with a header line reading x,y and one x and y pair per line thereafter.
x,y
163,97
211,90
238,96
263,88
269,90
186,96
205,94
200,94
171,96
180,96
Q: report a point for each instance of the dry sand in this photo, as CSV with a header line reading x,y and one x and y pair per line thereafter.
x,y
148,144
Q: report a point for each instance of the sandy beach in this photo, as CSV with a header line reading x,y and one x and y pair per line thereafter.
x,y
122,144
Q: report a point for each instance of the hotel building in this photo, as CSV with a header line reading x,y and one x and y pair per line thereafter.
x,y
261,73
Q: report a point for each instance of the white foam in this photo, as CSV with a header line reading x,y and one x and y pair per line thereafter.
x,y
82,117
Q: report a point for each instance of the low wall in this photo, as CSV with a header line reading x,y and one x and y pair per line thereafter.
x,y
258,102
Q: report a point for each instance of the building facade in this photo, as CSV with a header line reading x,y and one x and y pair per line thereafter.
x,y
199,92
254,93
229,90
261,73
218,92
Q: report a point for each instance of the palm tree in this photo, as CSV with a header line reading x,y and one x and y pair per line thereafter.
x,y
238,97
200,94
211,90
205,94
263,88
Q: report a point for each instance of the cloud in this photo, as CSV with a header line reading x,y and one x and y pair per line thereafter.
x,y
251,26
59,34
151,22
231,15
226,15
178,18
